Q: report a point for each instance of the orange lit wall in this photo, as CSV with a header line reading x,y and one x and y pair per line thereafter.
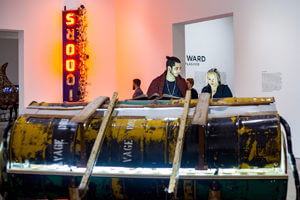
x,y
42,25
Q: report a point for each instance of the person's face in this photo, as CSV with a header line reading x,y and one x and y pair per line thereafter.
x,y
133,86
175,70
189,85
212,80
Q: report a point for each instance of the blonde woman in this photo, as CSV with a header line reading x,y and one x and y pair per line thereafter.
x,y
214,86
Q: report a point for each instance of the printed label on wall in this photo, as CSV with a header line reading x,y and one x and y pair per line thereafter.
x,y
271,81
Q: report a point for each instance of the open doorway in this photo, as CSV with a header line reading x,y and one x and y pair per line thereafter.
x,y
203,44
11,52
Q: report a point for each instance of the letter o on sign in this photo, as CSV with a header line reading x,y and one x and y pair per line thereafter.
x,y
70,80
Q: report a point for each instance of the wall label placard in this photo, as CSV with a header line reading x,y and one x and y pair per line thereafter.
x,y
271,81
194,60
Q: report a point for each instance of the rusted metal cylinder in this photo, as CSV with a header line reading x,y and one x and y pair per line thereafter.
x,y
240,148
128,142
239,142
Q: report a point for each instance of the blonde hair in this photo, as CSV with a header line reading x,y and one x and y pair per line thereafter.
x,y
216,72
215,75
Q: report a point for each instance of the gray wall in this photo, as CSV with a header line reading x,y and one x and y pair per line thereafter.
x,y
9,53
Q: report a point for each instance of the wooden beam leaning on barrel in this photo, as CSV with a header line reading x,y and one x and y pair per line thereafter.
x,y
81,118
179,147
200,120
79,193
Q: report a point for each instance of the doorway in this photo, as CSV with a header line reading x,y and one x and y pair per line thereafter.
x,y
12,52
203,44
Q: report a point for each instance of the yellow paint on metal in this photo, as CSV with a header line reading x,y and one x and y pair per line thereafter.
x,y
29,140
256,99
275,164
44,104
155,131
252,151
244,129
92,131
188,189
242,100
117,188
172,142
245,166
128,130
233,119
142,131
223,100
181,101
77,147
248,142
270,151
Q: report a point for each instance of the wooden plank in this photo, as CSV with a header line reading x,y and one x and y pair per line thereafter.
x,y
56,107
48,116
179,146
74,194
96,147
201,111
201,147
89,110
240,101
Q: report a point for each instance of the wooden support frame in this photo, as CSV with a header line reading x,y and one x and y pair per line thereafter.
x,y
179,146
201,112
89,110
82,117
79,193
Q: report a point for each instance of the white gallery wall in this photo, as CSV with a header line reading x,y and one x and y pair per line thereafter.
x,y
209,44
266,36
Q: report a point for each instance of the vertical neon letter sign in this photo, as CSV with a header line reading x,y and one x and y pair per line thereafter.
x,y
74,55
71,72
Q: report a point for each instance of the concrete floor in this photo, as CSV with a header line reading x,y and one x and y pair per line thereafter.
x,y
291,195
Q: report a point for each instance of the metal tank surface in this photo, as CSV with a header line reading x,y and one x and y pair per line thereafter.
x,y
239,154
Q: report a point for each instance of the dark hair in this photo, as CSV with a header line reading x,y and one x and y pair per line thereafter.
x,y
137,82
171,61
191,81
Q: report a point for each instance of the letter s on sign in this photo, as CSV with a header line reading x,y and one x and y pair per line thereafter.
x,y
70,19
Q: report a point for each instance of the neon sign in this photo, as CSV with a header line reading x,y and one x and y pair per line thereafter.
x,y
74,55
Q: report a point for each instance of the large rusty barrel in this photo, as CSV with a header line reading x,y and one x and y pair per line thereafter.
x,y
129,142
241,145
149,140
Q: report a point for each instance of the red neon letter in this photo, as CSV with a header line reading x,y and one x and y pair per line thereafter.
x,y
71,95
70,19
70,80
70,65
70,34
70,49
